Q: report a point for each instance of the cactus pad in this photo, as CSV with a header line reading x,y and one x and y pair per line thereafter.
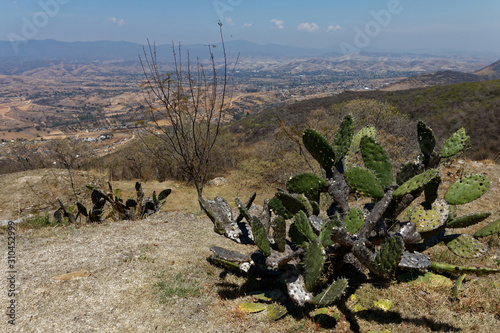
x,y
293,203
426,138
243,209
457,142
279,233
431,190
260,236
319,148
303,226
467,246
343,138
369,131
325,235
332,293
376,160
314,261
417,182
407,172
389,256
276,311
354,220
164,194
467,189
428,221
444,267
308,184
365,182
81,209
490,229
467,220
277,207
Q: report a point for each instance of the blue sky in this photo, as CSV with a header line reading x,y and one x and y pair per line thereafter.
x,y
439,25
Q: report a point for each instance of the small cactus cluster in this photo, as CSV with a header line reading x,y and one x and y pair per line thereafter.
x,y
129,210
309,248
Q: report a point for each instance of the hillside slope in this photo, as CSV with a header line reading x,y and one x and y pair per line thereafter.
x,y
473,105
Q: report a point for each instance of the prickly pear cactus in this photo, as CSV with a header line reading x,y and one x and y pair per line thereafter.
x,y
306,249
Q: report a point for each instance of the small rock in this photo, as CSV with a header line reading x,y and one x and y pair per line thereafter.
x,y
219,181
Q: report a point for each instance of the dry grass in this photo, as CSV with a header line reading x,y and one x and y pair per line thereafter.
x,y
153,276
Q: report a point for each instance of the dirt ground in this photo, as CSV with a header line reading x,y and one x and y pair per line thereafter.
x,y
118,266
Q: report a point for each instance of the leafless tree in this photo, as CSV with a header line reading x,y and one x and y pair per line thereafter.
x,y
186,108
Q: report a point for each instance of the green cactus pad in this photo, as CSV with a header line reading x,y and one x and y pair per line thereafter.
x,y
343,138
260,236
277,207
308,184
490,229
331,294
388,257
308,207
444,267
407,172
417,182
314,260
297,237
293,203
467,189
467,246
354,220
467,220
426,138
431,190
325,234
276,311
369,131
243,210
303,226
279,232
457,142
428,221
365,182
252,307
319,148
375,159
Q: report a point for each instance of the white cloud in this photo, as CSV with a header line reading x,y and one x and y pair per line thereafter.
x,y
247,25
118,22
334,28
229,21
309,27
278,23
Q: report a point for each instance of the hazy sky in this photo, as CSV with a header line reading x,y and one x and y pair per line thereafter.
x,y
434,25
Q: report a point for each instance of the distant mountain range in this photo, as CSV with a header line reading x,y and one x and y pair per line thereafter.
x,y
440,78
110,50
